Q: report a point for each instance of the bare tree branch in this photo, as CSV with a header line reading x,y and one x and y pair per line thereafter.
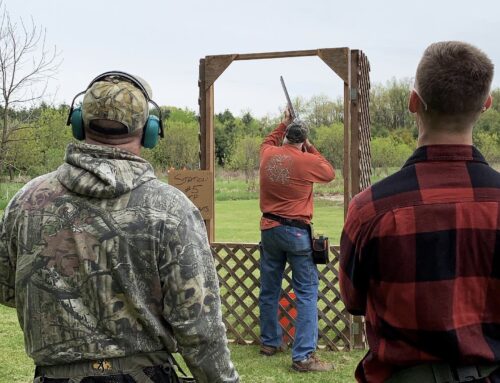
x,y
26,67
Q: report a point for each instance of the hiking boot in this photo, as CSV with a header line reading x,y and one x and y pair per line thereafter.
x,y
312,363
271,350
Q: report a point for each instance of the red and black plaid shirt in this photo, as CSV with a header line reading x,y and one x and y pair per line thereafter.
x,y
420,258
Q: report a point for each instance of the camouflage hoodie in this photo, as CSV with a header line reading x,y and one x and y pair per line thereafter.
x,y
103,260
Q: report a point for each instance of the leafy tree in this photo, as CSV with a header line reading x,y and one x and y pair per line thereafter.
x,y
179,149
223,144
246,158
388,152
324,112
489,145
300,106
227,129
389,106
486,133
406,136
247,118
250,126
489,122
225,117
40,149
52,137
180,115
495,93
268,123
330,142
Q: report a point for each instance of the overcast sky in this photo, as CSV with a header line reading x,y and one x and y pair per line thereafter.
x,y
163,41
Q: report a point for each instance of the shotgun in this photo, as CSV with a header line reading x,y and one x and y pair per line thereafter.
x,y
289,102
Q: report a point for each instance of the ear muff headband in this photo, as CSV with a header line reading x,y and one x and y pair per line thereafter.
x,y
153,128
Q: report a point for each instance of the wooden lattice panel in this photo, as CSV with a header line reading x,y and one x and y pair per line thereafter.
x,y
334,320
238,271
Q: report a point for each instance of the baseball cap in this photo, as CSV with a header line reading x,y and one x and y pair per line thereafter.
x,y
117,99
297,132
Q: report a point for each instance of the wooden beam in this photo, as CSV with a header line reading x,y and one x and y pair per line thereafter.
x,y
275,55
335,58
338,60
215,66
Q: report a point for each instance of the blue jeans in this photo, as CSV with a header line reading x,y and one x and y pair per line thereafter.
x,y
281,244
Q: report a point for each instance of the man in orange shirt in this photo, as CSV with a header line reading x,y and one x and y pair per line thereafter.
x,y
287,174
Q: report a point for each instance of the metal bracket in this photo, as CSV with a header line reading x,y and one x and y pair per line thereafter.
x,y
354,94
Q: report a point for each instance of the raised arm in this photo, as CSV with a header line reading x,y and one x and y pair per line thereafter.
x,y
275,138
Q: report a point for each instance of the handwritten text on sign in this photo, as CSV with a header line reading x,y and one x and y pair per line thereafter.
x,y
198,186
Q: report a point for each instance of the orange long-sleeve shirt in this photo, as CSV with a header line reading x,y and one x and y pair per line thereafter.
x,y
287,175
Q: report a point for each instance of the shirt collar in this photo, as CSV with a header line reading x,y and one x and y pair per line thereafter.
x,y
445,153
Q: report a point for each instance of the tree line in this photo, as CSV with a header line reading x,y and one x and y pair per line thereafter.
x,y
37,145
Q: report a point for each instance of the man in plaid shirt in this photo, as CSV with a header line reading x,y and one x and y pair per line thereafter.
x,y
420,250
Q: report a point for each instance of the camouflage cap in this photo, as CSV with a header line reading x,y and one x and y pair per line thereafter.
x,y
118,100
297,132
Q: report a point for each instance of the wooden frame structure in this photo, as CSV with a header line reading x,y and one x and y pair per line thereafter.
x,y
353,68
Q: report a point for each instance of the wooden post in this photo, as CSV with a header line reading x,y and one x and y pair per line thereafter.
x,y
346,170
357,324
210,145
202,118
207,140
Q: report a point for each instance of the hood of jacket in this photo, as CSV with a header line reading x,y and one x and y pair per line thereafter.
x,y
102,171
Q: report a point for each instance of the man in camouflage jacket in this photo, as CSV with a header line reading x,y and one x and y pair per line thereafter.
x,y
108,267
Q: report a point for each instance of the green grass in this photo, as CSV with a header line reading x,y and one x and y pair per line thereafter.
x,y
233,187
7,191
253,367
238,221
15,366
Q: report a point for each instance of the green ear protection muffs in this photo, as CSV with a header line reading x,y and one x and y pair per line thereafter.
x,y
153,129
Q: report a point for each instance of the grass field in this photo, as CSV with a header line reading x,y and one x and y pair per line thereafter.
x,y
7,190
236,221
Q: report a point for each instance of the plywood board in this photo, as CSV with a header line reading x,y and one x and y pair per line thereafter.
x,y
198,187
